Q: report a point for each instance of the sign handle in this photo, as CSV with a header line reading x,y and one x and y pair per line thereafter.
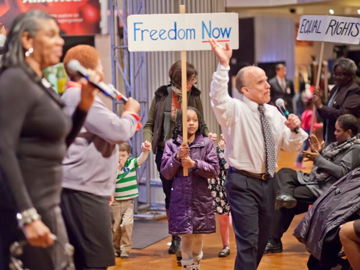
x,y
317,84
326,91
184,94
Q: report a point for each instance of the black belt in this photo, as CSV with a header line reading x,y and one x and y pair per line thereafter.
x,y
260,176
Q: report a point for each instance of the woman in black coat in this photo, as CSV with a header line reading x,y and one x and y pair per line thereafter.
x,y
344,98
35,133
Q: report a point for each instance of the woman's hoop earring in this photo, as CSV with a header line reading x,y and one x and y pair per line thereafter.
x,y
28,52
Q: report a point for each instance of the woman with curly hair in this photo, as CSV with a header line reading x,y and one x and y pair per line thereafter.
x,y
191,207
90,168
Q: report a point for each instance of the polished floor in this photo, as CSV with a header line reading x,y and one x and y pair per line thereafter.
x,y
294,256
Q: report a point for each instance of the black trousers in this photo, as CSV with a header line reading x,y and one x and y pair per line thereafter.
x,y
287,183
88,223
252,206
167,184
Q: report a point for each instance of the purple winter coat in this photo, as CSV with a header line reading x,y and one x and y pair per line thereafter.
x,y
191,204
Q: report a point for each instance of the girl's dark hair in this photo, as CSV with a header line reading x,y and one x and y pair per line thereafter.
x,y
348,121
178,124
14,53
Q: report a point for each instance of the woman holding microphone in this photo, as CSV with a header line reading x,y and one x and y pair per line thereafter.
x,y
35,133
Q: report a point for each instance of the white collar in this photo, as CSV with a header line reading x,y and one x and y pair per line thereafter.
x,y
251,104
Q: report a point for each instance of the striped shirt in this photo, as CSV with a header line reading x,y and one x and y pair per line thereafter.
x,y
126,184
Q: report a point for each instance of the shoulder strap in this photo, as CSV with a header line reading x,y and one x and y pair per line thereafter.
x,y
167,113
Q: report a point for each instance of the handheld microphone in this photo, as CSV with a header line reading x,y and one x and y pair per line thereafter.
x,y
119,95
281,105
75,66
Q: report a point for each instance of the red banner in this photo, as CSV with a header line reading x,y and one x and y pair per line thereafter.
x,y
75,17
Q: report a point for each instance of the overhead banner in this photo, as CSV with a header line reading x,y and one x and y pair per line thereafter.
x,y
182,32
330,29
75,17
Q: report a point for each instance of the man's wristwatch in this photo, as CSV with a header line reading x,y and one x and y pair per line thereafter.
x,y
27,216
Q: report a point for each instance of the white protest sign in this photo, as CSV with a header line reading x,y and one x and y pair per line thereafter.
x,y
330,29
181,32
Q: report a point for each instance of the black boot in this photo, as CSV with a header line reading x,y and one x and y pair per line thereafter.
x,y
285,201
273,246
175,244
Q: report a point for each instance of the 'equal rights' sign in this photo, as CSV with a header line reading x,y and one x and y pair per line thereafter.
x,y
329,28
181,32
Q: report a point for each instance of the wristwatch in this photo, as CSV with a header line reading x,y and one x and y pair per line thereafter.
x,y
27,216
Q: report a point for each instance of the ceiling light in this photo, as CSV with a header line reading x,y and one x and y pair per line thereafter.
x,y
331,11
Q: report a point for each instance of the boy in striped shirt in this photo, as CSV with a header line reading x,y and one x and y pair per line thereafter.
x,y
126,189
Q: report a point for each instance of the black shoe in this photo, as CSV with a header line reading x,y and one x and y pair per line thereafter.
x,y
273,246
285,201
175,244
224,252
341,254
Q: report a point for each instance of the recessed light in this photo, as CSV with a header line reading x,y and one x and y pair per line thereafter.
x,y
331,11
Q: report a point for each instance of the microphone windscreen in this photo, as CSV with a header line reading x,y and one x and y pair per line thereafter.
x,y
73,65
280,103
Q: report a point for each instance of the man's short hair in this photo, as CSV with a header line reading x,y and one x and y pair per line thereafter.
x,y
279,66
125,147
240,80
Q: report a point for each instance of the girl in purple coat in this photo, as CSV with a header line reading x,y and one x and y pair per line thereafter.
x,y
191,207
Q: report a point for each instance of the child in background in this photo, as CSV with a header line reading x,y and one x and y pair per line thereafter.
x,y
191,209
126,189
306,125
220,202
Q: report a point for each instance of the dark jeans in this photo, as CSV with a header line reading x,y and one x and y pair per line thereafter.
x,y
287,183
252,206
167,184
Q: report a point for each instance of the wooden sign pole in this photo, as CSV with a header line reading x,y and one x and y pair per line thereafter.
x,y
317,84
184,94
326,86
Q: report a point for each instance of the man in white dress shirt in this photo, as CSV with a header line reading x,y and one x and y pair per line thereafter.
x,y
254,133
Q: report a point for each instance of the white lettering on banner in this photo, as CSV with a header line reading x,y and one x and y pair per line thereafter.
x,y
181,32
330,28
